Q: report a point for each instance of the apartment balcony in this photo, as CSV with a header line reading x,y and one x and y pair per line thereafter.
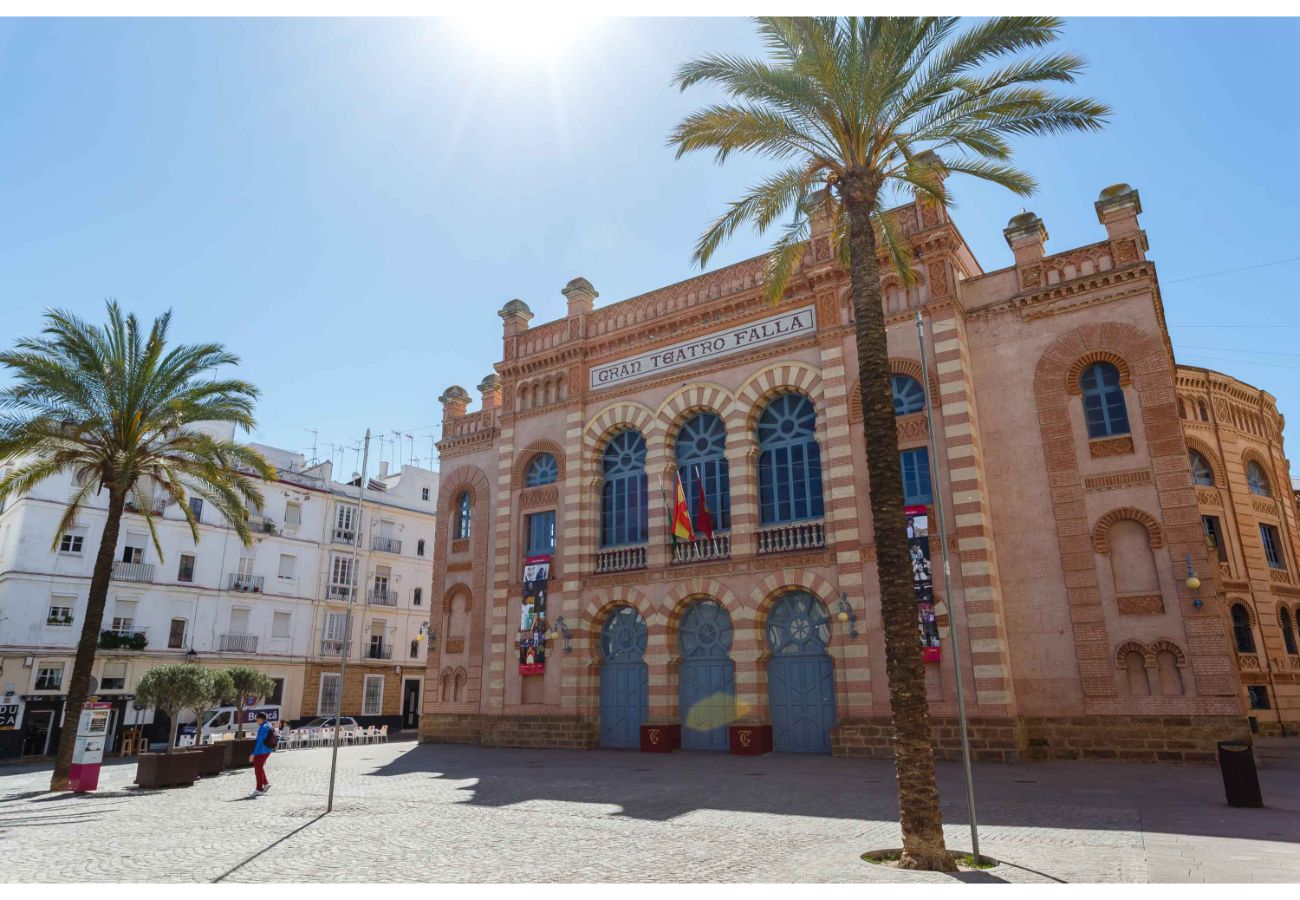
x,y
382,597
793,536
386,545
620,559
149,508
261,524
237,643
125,571
344,536
340,591
702,549
128,638
332,647
379,651
244,584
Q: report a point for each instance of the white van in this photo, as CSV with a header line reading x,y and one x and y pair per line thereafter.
x,y
232,718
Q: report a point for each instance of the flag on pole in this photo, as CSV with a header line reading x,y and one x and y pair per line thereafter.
x,y
681,516
703,518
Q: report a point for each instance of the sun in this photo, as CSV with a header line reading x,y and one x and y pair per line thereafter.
x,y
524,38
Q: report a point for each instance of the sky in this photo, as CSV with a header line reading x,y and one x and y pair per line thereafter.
x,y
346,204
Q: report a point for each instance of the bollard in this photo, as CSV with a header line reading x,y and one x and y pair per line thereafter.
x,y
1240,779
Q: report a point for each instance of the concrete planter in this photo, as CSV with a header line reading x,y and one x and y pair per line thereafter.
x,y
155,770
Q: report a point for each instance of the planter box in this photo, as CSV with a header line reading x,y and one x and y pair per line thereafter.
x,y
239,753
749,740
213,758
156,770
661,738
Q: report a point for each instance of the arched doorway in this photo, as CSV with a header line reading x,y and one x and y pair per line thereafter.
x,y
800,675
707,678
624,679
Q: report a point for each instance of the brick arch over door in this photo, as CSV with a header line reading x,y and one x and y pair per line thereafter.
x,y
586,638
1147,365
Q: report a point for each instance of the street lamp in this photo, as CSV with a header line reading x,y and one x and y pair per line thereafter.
x,y
564,631
427,632
846,614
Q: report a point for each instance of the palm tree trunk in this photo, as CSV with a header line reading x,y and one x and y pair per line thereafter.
x,y
918,792
85,662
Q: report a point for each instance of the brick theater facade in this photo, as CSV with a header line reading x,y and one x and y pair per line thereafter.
x,y
1085,476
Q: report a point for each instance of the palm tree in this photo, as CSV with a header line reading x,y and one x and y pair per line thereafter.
x,y
857,111
115,406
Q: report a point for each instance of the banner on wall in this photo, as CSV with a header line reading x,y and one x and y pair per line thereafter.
x,y
918,542
532,617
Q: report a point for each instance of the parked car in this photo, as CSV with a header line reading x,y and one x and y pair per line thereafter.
x,y
231,718
345,722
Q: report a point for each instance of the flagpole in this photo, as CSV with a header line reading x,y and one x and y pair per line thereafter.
x,y
947,592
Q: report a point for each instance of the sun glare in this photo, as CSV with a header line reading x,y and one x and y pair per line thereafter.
x,y
524,38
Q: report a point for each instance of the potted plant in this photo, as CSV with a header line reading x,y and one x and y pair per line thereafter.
x,y
248,683
216,757
172,688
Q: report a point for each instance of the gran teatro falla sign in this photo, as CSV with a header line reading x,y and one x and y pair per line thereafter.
x,y
780,327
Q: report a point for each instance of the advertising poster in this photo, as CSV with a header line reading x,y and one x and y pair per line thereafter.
x,y
918,542
532,617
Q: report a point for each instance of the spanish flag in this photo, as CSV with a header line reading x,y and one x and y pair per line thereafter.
x,y
681,515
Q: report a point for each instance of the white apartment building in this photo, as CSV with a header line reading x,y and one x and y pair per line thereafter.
x,y
279,605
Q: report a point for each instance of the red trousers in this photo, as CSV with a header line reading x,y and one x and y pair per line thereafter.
x,y
259,769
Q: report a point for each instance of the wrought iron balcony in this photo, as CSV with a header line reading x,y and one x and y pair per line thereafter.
x,y
377,650
237,643
340,591
261,524
149,508
125,571
128,638
808,535
702,549
386,545
245,584
344,536
332,647
620,559
383,597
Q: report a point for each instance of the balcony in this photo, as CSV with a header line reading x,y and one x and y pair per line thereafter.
x,y
261,524
382,597
809,535
379,650
386,545
244,584
332,647
344,536
125,571
237,643
620,559
702,549
340,591
150,508
128,638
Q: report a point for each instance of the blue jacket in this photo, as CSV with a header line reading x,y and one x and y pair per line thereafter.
x,y
260,747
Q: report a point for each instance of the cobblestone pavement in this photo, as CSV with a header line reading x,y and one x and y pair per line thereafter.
x,y
407,812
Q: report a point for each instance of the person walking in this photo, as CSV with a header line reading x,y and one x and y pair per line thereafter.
x,y
266,741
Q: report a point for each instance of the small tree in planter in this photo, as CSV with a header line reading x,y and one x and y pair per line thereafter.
x,y
173,688
222,692
249,682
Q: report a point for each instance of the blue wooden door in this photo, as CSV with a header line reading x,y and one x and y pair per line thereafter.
x,y
624,679
707,677
800,675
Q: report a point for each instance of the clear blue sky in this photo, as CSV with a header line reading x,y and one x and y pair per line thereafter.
x,y
346,204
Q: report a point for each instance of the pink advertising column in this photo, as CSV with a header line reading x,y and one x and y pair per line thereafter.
x,y
92,732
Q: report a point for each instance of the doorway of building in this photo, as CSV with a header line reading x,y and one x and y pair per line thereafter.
x,y
36,733
800,675
624,679
707,676
411,704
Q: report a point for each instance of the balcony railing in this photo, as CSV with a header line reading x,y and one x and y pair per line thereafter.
x,y
379,651
386,545
332,647
125,571
124,638
237,643
383,597
344,536
245,584
809,535
620,559
340,591
149,508
702,549
261,524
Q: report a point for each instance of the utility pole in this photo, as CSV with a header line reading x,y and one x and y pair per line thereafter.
x,y
347,621
947,593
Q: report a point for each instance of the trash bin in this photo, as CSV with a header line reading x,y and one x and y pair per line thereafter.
x,y
1240,779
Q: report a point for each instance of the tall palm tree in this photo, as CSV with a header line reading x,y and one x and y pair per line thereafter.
x,y
859,111
116,407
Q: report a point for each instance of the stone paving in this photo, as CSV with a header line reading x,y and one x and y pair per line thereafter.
x,y
408,812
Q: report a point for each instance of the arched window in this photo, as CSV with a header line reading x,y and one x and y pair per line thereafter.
x,y
1201,412
1288,637
1241,633
701,455
1257,480
789,461
1171,679
1135,670
1202,474
623,507
1103,401
1132,562
909,396
461,530
542,470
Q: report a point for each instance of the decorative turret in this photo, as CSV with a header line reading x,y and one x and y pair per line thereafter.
x,y
490,389
1025,235
454,402
581,296
1118,207
515,315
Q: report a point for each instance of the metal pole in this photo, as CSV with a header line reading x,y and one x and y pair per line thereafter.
x,y
347,621
947,592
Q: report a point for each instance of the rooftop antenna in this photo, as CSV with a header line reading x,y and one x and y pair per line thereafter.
x,y
313,432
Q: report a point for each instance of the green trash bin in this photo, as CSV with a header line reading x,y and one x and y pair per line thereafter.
x,y
1240,779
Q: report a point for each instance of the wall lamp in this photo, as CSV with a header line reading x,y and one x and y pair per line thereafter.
x,y
191,655
563,629
427,632
1193,583
846,615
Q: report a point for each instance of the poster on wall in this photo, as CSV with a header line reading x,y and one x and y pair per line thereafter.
x,y
918,542
532,617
